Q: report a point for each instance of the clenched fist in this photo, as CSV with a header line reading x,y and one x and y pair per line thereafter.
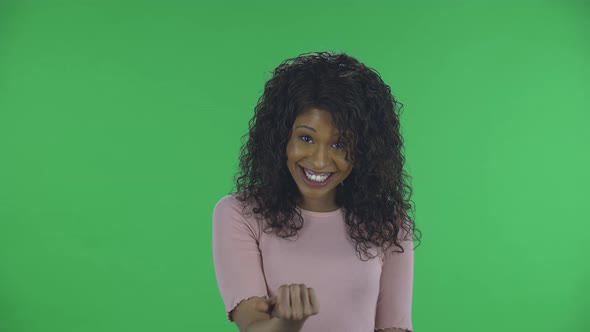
x,y
293,302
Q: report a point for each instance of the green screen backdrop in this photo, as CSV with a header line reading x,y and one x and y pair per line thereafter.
x,y
120,127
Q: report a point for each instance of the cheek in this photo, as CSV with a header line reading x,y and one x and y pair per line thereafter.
x,y
293,152
344,165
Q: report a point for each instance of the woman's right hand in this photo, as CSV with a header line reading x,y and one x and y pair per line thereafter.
x,y
293,303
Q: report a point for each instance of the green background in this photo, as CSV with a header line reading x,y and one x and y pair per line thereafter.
x,y
120,124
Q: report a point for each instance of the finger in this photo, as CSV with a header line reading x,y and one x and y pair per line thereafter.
x,y
305,301
283,302
296,308
315,305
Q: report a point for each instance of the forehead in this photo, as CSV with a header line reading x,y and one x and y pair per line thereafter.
x,y
314,116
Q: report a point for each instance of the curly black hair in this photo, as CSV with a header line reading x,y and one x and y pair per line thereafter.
x,y
375,196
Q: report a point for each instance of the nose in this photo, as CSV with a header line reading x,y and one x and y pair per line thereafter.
x,y
320,158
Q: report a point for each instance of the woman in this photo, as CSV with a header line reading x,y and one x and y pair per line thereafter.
x,y
320,209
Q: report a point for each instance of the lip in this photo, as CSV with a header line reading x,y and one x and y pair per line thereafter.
x,y
312,183
309,169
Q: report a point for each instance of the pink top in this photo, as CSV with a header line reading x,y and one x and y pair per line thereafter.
x,y
354,295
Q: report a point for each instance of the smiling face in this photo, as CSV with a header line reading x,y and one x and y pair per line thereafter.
x,y
314,145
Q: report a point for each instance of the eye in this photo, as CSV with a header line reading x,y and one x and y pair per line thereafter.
x,y
303,138
340,145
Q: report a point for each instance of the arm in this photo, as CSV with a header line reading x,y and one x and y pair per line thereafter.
x,y
249,318
274,325
394,305
286,312
238,267
238,263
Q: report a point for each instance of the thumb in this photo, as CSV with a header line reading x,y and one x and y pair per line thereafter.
x,y
262,306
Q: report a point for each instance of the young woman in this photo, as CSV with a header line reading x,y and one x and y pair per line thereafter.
x,y
320,212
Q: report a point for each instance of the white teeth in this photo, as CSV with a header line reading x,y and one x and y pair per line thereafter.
x,y
316,178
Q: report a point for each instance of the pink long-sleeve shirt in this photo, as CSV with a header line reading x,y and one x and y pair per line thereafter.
x,y
353,295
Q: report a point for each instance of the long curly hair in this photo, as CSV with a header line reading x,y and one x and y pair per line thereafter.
x,y
375,197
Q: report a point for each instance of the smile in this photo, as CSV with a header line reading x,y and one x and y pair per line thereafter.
x,y
314,180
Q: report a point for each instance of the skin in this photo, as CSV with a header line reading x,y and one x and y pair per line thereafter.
x,y
293,304
316,147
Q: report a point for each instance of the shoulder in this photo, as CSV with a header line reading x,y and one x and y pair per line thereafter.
x,y
227,206
232,202
227,201
231,212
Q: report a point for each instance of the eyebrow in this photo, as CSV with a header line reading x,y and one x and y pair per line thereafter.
x,y
312,129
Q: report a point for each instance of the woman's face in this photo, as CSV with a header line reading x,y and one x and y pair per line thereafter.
x,y
314,145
